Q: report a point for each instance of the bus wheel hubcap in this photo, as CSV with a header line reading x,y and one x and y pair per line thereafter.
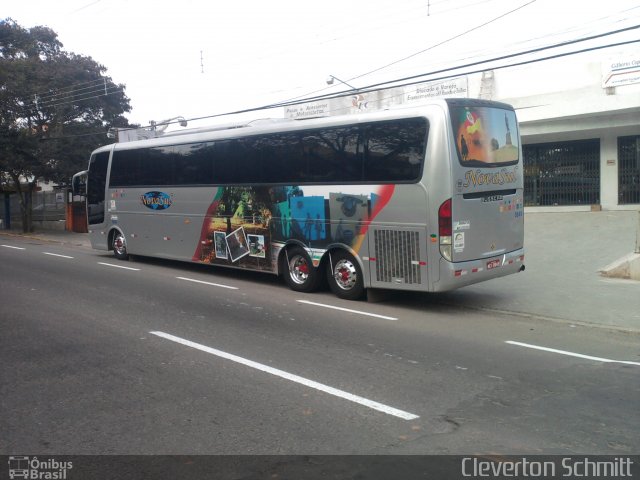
x,y
345,274
299,269
118,244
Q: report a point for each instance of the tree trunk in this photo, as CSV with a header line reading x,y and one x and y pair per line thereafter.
x,y
26,205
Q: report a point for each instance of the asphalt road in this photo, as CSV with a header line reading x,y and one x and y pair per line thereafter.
x,y
147,359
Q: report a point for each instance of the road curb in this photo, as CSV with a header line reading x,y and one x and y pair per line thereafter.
x,y
627,267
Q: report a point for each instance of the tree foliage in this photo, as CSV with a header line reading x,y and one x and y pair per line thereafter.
x,y
55,108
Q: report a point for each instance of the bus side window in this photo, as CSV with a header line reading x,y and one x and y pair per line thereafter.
x,y
158,162
281,157
236,162
193,164
333,155
395,151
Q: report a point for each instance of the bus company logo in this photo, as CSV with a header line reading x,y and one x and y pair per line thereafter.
x,y
475,178
33,468
156,200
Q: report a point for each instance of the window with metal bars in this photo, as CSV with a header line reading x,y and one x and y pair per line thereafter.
x,y
562,173
629,170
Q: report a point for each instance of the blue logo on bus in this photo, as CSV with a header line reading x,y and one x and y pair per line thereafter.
x,y
156,200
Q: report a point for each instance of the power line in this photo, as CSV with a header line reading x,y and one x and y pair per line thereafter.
x,y
445,41
526,52
96,84
426,49
63,137
85,6
413,79
101,92
372,88
112,90
70,88
476,54
420,78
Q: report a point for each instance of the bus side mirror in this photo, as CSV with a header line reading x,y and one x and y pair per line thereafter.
x,y
79,185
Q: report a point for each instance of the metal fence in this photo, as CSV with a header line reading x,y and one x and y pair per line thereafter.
x,y
629,170
563,173
47,207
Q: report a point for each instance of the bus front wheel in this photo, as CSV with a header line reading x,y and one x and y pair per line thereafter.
x,y
345,276
119,246
299,273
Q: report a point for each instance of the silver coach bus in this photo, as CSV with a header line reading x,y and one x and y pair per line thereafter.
x,y
425,199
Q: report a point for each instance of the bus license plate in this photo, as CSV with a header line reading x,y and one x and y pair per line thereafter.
x,y
493,264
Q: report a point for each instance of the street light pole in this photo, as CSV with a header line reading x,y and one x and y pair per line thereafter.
x,y
331,78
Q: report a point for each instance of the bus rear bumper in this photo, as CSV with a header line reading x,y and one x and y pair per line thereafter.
x,y
459,274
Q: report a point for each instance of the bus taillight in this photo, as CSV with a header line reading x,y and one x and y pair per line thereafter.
x,y
445,228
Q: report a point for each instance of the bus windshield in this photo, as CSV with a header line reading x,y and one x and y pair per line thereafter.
x,y
485,136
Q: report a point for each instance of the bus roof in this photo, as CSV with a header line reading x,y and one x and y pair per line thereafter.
x,y
273,125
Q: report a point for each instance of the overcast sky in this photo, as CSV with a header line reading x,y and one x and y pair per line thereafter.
x,y
200,58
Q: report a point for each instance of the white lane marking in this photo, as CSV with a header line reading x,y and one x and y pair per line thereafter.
x,y
118,266
571,354
207,283
347,310
57,255
15,248
294,378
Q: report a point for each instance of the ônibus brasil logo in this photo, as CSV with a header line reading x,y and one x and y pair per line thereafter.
x,y
33,468
156,200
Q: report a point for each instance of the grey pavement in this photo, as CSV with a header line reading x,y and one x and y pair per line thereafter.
x,y
563,254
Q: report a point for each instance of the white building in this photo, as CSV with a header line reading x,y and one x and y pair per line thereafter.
x,y
579,122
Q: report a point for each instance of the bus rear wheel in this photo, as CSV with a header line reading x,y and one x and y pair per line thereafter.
x,y
299,272
345,276
119,246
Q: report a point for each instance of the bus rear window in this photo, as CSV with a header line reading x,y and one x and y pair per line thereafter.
x,y
485,137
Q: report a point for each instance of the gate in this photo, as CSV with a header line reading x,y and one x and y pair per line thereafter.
x,y
628,170
563,173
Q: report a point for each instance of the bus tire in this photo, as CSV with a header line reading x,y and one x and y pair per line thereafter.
x,y
119,246
298,270
345,276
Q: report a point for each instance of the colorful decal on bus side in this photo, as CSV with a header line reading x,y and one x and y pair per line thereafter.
x,y
241,222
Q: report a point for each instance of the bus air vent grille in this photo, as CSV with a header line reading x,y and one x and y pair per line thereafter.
x,y
396,254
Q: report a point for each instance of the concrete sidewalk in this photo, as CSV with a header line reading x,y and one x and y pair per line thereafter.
x,y
55,236
564,252
563,255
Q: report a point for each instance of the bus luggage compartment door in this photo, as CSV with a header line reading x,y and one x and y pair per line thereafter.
x,y
398,258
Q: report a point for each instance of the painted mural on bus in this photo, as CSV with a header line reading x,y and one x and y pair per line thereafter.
x,y
243,223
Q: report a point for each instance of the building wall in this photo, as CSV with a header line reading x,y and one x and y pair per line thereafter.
x,y
564,99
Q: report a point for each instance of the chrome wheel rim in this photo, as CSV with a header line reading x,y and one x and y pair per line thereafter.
x,y
119,245
299,269
345,274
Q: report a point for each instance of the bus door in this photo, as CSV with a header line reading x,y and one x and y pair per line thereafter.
x,y
77,207
487,205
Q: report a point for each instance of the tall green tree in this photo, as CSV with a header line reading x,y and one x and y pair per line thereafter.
x,y
55,107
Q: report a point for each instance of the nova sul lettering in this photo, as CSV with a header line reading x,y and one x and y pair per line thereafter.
x,y
475,178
